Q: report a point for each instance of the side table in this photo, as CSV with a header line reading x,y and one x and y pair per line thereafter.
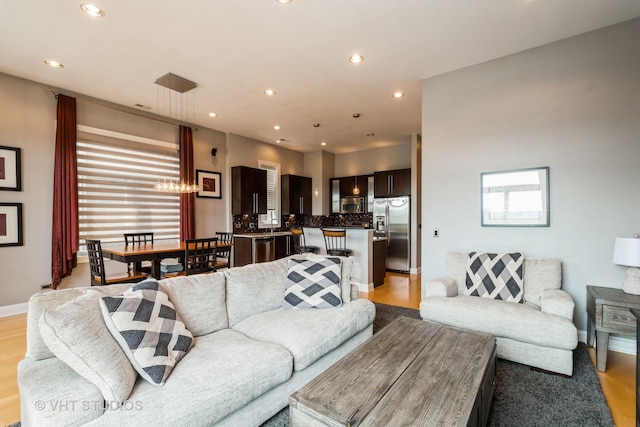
x,y
609,311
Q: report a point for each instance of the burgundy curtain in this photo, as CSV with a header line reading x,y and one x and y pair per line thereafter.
x,y
65,234
187,175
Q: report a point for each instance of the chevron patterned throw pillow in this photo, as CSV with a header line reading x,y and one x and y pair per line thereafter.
x,y
313,284
148,329
497,276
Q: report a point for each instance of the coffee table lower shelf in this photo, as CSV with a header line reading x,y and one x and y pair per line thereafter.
x,y
411,373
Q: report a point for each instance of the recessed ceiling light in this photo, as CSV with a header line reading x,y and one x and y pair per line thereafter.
x,y
53,64
269,92
323,143
284,1
276,127
280,140
398,94
356,58
212,114
92,10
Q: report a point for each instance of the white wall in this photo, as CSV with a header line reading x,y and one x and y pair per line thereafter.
x,y
574,106
376,159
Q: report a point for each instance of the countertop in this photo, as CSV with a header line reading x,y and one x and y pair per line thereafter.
x,y
261,235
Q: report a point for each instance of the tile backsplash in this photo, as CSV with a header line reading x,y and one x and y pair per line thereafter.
x,y
249,223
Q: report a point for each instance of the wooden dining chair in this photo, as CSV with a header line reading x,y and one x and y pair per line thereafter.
x,y
335,241
299,243
223,255
200,255
96,268
138,239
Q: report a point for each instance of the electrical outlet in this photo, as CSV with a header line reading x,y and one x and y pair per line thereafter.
x,y
436,232
45,286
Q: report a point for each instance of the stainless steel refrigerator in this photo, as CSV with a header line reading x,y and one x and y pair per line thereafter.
x,y
392,219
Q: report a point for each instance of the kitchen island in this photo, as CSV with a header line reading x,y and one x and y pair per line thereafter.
x,y
360,241
368,271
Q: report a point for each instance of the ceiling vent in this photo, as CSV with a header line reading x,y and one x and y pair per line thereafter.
x,y
175,83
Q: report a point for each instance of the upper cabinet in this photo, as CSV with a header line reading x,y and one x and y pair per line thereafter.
x,y
351,186
296,195
249,190
392,183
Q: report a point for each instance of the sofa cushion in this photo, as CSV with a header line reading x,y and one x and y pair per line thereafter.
x,y
313,284
496,276
223,372
76,333
309,334
519,322
145,324
255,288
200,300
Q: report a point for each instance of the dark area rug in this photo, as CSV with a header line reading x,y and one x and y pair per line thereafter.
x,y
525,397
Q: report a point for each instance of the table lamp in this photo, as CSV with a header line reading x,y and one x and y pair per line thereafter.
x,y
627,252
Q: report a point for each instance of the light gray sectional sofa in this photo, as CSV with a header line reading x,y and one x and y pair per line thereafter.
x,y
249,354
538,333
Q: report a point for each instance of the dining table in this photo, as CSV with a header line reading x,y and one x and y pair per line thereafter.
x,y
154,252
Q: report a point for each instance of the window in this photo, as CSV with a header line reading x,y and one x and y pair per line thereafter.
x,y
273,195
117,174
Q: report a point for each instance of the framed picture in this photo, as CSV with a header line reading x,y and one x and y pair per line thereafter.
x,y
10,224
209,184
10,169
515,198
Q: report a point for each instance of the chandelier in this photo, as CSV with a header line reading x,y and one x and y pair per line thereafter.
x,y
175,187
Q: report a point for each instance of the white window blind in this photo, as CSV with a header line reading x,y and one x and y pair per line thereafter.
x,y
273,195
116,179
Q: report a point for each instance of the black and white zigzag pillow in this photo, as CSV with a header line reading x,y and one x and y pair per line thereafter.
x,y
497,276
313,284
146,326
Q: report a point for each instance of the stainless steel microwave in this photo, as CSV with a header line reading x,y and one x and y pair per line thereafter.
x,y
351,205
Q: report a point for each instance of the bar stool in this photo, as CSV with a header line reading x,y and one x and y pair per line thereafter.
x,y
299,244
335,241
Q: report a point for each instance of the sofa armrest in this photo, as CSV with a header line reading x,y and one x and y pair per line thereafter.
x,y
558,302
354,292
444,286
53,394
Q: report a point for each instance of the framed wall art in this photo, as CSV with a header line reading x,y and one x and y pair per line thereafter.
x,y
10,224
10,169
209,184
515,198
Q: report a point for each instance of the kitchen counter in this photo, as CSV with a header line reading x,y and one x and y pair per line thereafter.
x,y
262,234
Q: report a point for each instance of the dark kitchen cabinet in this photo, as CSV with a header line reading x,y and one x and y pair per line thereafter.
x,y
296,195
283,246
249,190
392,183
351,186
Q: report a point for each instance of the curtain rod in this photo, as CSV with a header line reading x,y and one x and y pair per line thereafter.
x,y
106,104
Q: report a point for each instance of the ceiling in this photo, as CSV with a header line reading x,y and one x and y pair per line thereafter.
x,y
235,49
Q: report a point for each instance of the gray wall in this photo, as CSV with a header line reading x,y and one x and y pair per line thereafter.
x,y
27,120
574,106
376,159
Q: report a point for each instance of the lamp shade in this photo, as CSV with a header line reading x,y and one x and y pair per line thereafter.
x,y
627,252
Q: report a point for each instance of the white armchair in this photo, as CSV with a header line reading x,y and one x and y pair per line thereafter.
x,y
540,332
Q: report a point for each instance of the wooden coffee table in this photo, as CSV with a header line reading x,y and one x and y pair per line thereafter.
x,y
411,373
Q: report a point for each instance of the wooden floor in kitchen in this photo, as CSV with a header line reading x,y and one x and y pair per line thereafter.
x,y
618,382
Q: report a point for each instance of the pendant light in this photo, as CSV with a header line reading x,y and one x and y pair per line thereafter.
x,y
356,189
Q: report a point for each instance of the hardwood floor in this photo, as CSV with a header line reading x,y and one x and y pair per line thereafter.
x,y
618,382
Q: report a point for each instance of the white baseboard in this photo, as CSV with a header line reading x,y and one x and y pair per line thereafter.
x,y
415,270
616,343
12,310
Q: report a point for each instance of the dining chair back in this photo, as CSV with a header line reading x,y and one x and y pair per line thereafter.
x,y
138,239
335,241
96,267
223,255
299,242
200,255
